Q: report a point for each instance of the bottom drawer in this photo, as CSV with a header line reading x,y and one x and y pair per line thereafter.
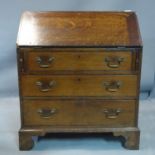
x,y
105,113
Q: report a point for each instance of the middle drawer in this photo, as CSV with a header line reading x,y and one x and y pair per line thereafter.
x,y
79,85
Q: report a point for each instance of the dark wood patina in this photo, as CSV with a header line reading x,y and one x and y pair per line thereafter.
x,y
79,72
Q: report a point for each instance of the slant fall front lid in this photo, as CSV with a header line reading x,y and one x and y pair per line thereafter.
x,y
79,29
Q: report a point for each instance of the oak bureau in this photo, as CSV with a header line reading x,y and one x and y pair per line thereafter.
x,y
79,72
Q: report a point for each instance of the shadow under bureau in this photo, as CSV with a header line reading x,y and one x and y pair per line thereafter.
x,y
79,72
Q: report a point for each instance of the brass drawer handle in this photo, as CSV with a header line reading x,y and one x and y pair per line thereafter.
x,y
44,61
114,62
112,113
112,86
46,113
45,86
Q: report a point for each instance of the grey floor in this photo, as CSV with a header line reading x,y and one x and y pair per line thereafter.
x,y
10,123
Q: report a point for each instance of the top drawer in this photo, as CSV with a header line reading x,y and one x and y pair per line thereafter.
x,y
77,59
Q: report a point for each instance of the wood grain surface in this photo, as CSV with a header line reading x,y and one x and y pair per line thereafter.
x,y
70,59
79,85
79,72
79,112
78,29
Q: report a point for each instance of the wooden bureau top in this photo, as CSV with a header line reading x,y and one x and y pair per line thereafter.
x,y
100,29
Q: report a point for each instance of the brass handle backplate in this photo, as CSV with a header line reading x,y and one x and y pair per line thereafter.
x,y
45,86
112,113
46,112
112,86
113,62
44,61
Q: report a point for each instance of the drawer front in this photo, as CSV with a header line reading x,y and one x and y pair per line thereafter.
x,y
78,60
79,112
79,85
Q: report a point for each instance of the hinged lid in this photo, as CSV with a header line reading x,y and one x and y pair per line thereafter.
x,y
103,29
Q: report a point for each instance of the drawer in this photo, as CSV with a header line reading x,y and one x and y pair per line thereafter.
x,y
78,60
79,85
79,112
